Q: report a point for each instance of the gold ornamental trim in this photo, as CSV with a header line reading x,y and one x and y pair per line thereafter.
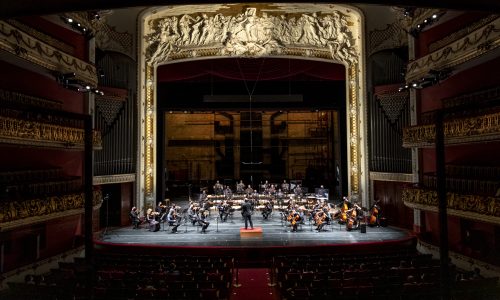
x,y
460,131
22,132
21,213
191,32
397,177
111,179
27,47
477,43
27,100
475,207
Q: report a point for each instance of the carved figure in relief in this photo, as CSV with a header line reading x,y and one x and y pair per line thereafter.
x,y
250,34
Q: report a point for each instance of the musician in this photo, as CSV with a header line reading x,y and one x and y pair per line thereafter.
x,y
192,210
264,187
322,192
249,191
294,219
271,190
280,196
268,209
172,218
228,194
240,188
203,196
134,218
224,209
202,220
320,220
151,219
285,187
218,188
161,210
246,212
298,191
346,206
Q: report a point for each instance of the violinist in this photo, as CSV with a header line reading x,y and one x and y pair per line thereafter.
x,y
268,209
294,219
192,210
249,191
172,218
201,218
161,211
151,219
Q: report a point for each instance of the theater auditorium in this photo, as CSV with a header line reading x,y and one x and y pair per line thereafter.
x,y
249,150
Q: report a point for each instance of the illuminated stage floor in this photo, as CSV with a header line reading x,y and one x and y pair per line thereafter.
x,y
275,234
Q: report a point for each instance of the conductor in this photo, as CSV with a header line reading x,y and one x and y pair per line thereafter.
x,y
246,212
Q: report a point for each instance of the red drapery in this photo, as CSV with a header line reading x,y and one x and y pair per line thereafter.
x,y
250,69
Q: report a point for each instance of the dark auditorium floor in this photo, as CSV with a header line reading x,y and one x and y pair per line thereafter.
x,y
227,234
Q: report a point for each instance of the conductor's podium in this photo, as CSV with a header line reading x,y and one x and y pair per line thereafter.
x,y
256,232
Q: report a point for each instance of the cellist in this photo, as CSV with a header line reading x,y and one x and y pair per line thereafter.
x,y
294,219
343,211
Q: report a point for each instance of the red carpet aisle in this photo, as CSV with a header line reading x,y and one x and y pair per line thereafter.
x,y
254,285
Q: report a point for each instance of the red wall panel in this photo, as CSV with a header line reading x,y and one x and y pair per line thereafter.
x,y
13,78
392,207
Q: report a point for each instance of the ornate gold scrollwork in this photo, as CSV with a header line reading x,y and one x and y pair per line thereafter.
x,y
459,131
11,211
484,208
18,131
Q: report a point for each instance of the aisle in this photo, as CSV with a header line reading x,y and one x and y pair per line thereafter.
x,y
254,285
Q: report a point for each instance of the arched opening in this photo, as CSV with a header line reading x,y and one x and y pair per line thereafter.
x,y
307,31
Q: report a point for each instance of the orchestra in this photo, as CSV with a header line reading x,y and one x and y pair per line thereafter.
x,y
295,208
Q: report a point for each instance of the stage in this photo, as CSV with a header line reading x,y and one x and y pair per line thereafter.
x,y
275,233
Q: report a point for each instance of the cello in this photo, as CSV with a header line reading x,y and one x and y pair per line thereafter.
x,y
352,219
343,211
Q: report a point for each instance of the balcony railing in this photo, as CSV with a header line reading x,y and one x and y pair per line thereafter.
x,y
476,207
459,131
15,213
25,132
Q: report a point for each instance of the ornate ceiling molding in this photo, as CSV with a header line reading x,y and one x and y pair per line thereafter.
x,y
29,48
477,43
306,31
474,207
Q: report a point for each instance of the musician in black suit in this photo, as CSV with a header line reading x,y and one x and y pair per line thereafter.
x,y
134,217
202,220
246,212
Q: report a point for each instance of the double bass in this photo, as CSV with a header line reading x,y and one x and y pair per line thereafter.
x,y
374,212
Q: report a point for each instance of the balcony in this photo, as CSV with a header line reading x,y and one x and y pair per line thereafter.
x,y
484,128
475,207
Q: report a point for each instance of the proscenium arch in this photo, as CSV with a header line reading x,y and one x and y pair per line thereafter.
x,y
326,32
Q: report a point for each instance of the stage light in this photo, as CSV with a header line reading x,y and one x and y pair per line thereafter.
x,y
434,16
69,20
